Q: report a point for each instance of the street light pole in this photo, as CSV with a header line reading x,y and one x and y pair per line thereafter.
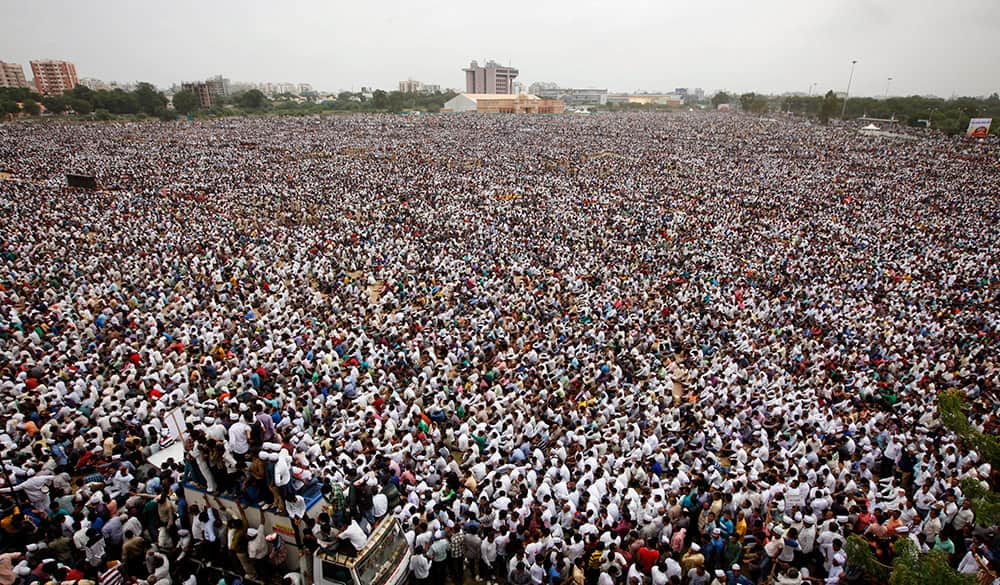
x,y
847,94
811,86
887,80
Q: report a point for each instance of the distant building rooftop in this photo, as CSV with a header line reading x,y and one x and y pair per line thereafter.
x,y
500,96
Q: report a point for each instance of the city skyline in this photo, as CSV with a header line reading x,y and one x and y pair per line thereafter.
x,y
740,48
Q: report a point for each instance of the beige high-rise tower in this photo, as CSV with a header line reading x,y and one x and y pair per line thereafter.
x,y
12,75
493,78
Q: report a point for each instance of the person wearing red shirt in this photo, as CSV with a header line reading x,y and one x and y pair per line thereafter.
x,y
647,557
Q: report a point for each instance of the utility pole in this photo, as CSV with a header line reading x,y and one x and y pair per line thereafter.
x,y
847,94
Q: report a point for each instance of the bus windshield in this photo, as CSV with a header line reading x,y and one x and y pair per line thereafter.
x,y
377,565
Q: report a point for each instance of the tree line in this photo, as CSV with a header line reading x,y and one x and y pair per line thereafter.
x,y
253,101
102,104
949,115
146,100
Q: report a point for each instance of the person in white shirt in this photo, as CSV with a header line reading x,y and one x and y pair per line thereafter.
x,y
257,545
420,566
658,575
609,575
239,436
964,516
36,488
537,571
353,533
380,505
121,482
933,524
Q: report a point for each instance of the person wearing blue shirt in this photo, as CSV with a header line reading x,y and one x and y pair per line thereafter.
x,y
735,576
713,550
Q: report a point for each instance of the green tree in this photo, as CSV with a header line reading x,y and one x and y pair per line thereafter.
x,y
18,94
746,101
31,107
8,106
759,105
102,115
252,100
829,107
80,92
116,101
186,102
721,98
380,99
985,503
79,106
395,101
54,103
803,105
149,100
909,566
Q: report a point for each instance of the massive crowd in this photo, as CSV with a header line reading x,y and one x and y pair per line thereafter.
x,y
606,349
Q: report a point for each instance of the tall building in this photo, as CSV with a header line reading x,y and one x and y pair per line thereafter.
x,y
410,86
12,75
93,83
53,77
200,89
285,87
218,86
413,86
493,78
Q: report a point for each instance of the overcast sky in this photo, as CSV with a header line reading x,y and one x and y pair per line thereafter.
x,y
626,45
